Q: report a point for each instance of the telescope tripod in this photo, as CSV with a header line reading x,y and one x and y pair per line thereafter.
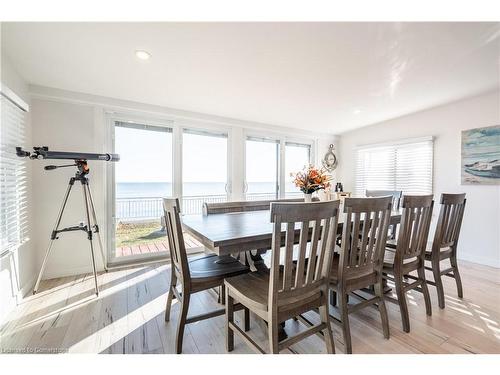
x,y
90,228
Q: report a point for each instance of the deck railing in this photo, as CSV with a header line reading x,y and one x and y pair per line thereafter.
x,y
151,207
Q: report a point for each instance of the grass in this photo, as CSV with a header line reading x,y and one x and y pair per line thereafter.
x,y
130,234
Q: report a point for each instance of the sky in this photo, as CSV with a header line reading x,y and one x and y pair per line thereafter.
x,y
146,156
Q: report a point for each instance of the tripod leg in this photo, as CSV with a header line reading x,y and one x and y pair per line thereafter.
x,y
89,233
53,236
94,216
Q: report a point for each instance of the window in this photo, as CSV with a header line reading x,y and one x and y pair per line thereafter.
x,y
262,172
13,188
297,156
204,169
405,166
143,176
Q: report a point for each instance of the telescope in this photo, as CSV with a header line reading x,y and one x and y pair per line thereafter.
x,y
44,153
90,227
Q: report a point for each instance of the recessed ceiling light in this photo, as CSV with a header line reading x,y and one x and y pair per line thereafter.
x,y
357,111
143,55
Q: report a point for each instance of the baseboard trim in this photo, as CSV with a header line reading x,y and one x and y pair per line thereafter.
x,y
26,289
480,260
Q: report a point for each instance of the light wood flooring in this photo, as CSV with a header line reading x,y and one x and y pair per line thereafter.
x,y
128,317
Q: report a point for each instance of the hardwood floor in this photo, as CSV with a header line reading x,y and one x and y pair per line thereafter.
x,y
128,317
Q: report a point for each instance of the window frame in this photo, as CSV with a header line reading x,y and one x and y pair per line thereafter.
x,y
236,136
209,133
110,186
281,139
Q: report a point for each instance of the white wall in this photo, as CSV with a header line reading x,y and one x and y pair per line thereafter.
x,y
72,121
480,235
17,269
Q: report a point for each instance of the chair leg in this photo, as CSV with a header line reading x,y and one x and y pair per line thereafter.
x,y
436,270
171,295
403,306
222,295
379,291
182,321
456,274
230,318
247,319
272,327
327,332
333,298
425,290
344,317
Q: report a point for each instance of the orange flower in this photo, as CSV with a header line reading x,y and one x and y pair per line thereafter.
x,y
311,179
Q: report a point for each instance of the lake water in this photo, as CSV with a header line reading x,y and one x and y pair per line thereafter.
x,y
163,189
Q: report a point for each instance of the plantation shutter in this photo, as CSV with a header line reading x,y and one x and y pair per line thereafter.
x,y
405,166
13,183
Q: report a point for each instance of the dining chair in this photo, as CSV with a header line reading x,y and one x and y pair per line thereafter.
x,y
395,194
292,288
396,204
193,276
407,253
444,245
243,206
359,264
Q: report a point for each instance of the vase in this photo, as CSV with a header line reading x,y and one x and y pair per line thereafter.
x,y
307,198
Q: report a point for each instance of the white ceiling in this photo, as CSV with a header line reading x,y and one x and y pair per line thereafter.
x,y
305,75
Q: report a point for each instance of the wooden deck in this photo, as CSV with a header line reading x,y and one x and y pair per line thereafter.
x,y
155,247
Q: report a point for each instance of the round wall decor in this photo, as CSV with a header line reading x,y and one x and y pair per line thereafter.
x,y
330,160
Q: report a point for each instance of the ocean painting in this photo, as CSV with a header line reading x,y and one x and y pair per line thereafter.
x,y
481,155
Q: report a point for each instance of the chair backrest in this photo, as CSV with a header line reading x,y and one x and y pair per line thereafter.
x,y
449,222
395,194
364,235
178,255
414,228
304,277
263,205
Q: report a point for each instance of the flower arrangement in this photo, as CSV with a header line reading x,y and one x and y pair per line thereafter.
x,y
311,179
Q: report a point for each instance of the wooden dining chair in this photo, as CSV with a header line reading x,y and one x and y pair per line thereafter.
x,y
395,194
193,276
361,257
243,206
396,204
444,245
407,253
295,287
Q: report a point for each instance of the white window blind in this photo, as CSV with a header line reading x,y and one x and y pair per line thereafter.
x,y
405,166
13,184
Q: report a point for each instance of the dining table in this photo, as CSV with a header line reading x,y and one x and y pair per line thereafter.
x,y
236,232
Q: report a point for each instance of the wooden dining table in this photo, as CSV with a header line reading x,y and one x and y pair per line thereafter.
x,y
236,232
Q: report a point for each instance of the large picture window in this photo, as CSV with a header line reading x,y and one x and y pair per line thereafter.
x,y
164,158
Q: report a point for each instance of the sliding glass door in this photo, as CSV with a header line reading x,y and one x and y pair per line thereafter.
x,y
157,161
143,176
262,173
297,156
204,169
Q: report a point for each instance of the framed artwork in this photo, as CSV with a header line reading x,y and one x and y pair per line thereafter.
x,y
481,156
